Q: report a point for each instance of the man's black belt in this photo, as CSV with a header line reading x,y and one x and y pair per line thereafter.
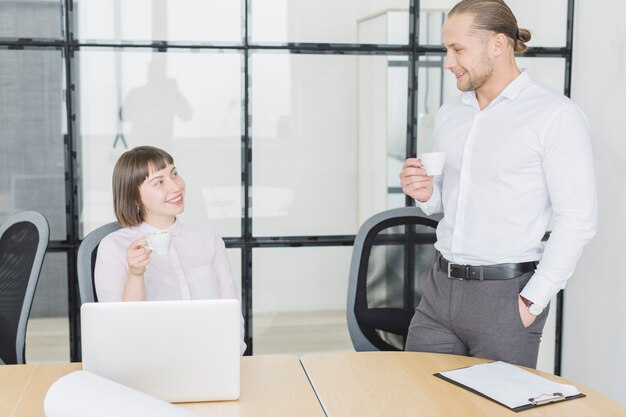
x,y
486,272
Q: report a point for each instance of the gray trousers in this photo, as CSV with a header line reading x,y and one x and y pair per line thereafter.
x,y
474,318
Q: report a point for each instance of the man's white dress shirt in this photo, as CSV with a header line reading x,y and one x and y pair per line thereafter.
x,y
511,168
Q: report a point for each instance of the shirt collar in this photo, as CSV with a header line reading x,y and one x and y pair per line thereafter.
x,y
517,85
511,91
144,228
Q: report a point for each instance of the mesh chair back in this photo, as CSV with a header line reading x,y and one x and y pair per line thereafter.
x,y
23,243
86,261
391,250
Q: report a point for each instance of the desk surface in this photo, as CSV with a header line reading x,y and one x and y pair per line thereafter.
x,y
402,384
347,384
270,386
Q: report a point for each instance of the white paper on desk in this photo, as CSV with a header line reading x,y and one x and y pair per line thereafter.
x,y
508,384
84,394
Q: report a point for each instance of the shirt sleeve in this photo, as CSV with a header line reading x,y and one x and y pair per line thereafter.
x,y
569,173
228,288
111,270
433,204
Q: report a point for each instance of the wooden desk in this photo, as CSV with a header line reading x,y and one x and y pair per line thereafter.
x,y
402,384
270,386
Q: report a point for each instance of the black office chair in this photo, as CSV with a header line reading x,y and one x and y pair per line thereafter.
x,y
391,250
86,261
23,243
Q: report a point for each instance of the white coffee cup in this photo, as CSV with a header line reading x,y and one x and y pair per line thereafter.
x,y
433,162
159,242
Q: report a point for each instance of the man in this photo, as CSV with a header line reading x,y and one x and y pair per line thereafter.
x,y
517,155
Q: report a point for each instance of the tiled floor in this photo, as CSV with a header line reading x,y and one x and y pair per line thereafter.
x,y
47,339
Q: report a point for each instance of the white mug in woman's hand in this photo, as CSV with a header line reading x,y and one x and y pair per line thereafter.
x,y
159,242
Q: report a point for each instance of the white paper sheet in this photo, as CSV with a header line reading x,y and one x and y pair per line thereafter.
x,y
84,394
508,384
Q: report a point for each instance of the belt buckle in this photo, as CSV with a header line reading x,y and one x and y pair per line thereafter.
x,y
451,265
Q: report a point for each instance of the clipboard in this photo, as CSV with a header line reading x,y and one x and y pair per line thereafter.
x,y
510,386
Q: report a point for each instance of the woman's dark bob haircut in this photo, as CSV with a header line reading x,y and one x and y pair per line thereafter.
x,y
131,170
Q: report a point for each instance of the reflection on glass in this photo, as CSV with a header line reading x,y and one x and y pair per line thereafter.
x,y
155,123
31,19
159,20
325,21
321,140
300,309
186,103
547,22
32,159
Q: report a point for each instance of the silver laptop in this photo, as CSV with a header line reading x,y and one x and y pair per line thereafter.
x,y
178,351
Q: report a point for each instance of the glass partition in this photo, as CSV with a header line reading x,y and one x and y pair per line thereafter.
x,y
184,21
32,157
282,21
34,19
48,330
332,138
300,309
187,103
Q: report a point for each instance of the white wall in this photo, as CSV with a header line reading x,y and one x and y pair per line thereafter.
x,y
594,345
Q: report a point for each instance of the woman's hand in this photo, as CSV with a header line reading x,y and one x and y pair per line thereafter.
x,y
138,256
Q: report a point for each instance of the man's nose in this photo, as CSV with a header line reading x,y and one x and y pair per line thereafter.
x,y
448,62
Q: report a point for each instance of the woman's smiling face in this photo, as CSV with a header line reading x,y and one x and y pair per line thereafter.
x,y
162,196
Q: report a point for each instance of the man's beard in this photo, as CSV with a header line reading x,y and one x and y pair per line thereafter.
x,y
475,81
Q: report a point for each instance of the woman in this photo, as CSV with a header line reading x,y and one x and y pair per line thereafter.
x,y
148,194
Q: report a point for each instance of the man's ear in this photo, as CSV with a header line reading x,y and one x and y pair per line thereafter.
x,y
500,44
